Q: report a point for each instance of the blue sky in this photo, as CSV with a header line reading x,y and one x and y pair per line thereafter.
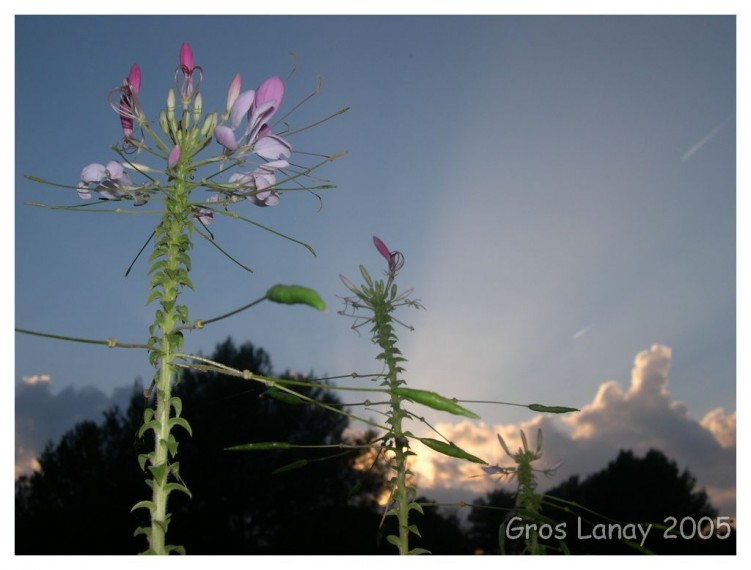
x,y
563,190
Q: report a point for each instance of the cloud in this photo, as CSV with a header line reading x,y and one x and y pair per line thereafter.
x,y
36,379
642,417
43,416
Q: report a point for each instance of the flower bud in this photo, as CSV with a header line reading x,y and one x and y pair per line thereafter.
x,y
174,157
209,123
197,107
163,122
171,105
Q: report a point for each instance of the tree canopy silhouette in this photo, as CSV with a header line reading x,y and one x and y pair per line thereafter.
x,y
631,490
80,500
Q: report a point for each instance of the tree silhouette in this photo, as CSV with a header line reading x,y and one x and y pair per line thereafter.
x,y
630,490
80,500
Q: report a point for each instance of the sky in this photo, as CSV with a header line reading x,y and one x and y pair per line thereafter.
x,y
563,190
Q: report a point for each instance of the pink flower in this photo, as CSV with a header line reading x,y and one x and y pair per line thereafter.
x,y
187,68
258,106
110,182
128,108
395,259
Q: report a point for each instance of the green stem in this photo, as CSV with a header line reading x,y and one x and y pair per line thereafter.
x,y
171,249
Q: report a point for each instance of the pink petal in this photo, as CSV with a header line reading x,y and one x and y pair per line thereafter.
x,y
134,78
382,249
186,56
93,173
272,148
225,137
234,91
240,107
174,155
270,90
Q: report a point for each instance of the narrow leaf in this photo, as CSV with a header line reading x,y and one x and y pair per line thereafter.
x,y
290,466
144,505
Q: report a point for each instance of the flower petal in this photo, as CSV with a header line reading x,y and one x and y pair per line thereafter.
x,y
134,78
93,173
270,90
225,137
186,56
234,91
174,155
272,148
241,106
382,249
115,169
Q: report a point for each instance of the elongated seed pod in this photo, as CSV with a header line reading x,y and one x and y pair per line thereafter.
x,y
435,401
551,409
260,446
295,295
450,449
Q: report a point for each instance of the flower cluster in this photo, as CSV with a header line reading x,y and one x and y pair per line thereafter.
x,y
242,132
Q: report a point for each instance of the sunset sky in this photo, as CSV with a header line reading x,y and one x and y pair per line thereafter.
x,y
563,190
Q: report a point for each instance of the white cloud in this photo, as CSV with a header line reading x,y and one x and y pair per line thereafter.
x,y
640,418
37,379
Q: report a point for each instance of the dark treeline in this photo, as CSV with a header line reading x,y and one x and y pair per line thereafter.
x,y
80,500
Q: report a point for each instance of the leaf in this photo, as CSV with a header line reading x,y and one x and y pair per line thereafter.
x,y
393,539
300,463
551,409
283,396
415,551
435,401
153,424
171,548
169,487
449,449
142,459
295,295
177,405
159,472
414,530
260,446
144,505
183,423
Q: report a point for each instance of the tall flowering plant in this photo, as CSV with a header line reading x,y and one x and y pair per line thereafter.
x,y
249,163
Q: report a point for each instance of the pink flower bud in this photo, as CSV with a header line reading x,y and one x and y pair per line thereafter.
x,y
234,91
134,78
186,57
174,157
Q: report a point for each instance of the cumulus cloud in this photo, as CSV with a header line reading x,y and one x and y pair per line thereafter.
x,y
641,417
43,416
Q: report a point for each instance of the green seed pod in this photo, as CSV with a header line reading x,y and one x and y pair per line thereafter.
x,y
435,401
551,409
260,446
300,463
295,295
450,449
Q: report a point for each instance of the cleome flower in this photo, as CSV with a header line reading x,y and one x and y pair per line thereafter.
x,y
395,259
111,183
259,186
258,106
127,106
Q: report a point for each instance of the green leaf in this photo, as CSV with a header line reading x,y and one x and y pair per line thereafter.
x,y
172,445
144,505
283,396
450,449
155,294
393,539
183,423
171,548
169,487
142,459
159,472
260,446
300,463
415,551
435,401
414,530
145,530
551,409
295,295
415,507
153,424
177,405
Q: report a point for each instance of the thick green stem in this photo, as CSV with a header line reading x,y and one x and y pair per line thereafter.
x,y
385,337
171,277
